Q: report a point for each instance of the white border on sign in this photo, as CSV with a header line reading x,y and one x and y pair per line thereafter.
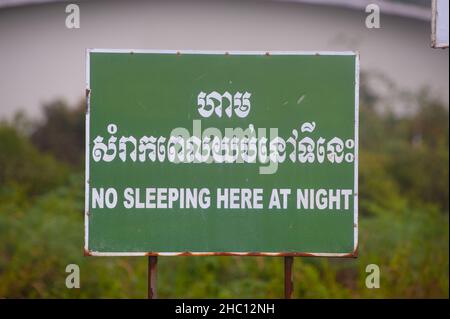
x,y
439,24
356,160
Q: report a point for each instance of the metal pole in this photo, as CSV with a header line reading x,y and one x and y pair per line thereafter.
x,y
151,277
288,277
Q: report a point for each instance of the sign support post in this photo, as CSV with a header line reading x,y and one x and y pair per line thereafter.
x,y
288,277
152,276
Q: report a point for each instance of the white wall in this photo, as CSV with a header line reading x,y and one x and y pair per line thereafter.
x,y
40,59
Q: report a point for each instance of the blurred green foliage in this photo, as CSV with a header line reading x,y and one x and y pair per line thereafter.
x,y
404,227
61,133
24,170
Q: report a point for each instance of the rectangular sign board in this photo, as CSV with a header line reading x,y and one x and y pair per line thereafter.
x,y
221,153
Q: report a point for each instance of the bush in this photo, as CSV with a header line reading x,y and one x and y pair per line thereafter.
x,y
404,227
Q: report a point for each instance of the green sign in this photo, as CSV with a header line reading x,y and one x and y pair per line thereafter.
x,y
239,153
